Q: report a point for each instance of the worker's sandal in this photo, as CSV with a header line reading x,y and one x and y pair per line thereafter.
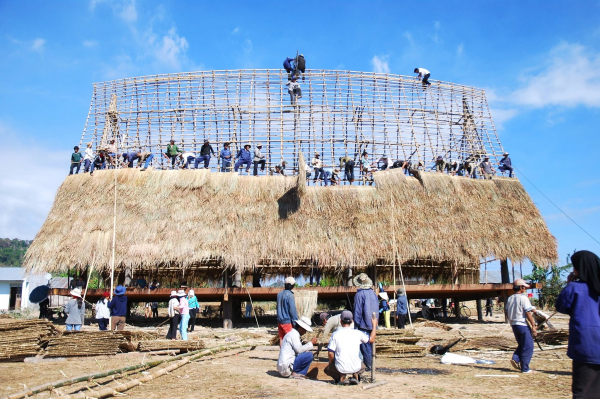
x,y
515,364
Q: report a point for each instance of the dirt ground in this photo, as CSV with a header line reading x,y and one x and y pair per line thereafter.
x,y
245,373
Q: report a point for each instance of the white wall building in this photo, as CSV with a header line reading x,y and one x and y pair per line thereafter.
x,y
15,287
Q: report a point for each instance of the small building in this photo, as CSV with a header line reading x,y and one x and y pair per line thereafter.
x,y
15,286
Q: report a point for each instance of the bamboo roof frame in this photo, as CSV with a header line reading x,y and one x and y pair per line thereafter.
x,y
341,113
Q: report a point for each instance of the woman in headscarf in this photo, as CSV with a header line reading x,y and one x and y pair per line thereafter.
x,y
581,300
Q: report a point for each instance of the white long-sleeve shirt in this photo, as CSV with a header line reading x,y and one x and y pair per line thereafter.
x,y
173,307
102,311
89,154
290,348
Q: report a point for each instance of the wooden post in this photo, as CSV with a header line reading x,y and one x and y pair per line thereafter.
x,y
456,308
479,311
504,271
349,282
227,314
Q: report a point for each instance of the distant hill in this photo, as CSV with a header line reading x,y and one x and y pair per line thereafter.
x,y
12,251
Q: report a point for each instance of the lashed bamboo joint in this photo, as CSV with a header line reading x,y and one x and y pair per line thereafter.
x,y
341,113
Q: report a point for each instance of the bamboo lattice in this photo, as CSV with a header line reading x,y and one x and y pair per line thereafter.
x,y
341,113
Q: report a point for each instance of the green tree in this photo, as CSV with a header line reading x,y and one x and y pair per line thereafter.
x,y
12,252
553,280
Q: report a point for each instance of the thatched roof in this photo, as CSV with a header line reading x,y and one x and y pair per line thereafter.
x,y
183,218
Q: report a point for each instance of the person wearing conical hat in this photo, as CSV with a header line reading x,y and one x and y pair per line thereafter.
x,y
75,310
365,304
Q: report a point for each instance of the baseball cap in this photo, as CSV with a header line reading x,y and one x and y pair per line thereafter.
x,y
520,282
346,316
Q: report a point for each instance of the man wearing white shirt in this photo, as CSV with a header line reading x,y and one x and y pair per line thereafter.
x,y
295,358
344,350
423,74
188,157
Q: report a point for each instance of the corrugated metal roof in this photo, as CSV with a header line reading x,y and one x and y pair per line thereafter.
x,y
11,273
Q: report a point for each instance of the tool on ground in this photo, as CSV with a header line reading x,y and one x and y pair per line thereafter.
x,y
373,358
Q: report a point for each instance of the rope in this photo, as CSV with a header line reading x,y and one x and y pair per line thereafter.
x,y
557,207
252,305
399,266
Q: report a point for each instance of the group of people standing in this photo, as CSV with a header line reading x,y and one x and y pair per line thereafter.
x,y
108,310
182,309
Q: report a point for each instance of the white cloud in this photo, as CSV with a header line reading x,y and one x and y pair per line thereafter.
x,y
380,64
409,37
90,43
499,115
460,49
38,44
171,50
436,32
27,193
235,31
124,9
570,77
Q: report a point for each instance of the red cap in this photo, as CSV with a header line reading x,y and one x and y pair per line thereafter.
x,y
106,294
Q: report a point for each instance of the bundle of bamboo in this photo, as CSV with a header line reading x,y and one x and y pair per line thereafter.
x,y
169,344
398,343
486,343
554,337
86,343
23,338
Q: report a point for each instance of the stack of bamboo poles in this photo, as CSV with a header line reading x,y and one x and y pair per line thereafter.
x,y
23,338
169,344
138,335
486,343
554,337
398,343
86,343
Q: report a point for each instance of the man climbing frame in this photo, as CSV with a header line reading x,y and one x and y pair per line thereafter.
x,y
423,74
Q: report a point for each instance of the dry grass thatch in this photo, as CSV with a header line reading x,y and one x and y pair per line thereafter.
x,y
183,218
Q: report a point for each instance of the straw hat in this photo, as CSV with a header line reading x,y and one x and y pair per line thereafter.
x,y
89,145
259,145
363,281
76,292
181,293
401,292
384,296
290,280
304,322
173,293
120,290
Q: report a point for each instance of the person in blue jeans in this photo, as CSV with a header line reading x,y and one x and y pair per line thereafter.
x,y
75,310
580,299
295,358
244,157
365,304
76,159
226,157
205,152
518,311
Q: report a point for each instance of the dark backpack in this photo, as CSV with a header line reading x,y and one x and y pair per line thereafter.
x,y
301,64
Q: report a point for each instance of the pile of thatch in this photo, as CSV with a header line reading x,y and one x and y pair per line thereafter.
x,y
185,218
139,335
398,343
86,343
430,323
486,343
306,302
23,338
169,344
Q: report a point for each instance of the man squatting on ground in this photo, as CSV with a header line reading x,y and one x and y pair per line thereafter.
x,y
518,311
344,348
295,358
286,309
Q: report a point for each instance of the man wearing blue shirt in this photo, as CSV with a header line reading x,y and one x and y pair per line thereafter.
x,y
365,304
401,308
506,165
244,157
286,309
226,157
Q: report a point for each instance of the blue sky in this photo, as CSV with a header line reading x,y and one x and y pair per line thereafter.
x,y
539,63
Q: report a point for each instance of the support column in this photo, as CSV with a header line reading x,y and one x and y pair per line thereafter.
x,y
456,308
349,282
128,276
504,271
227,314
479,311
238,279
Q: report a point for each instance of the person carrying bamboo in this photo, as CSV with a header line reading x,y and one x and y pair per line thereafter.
x,y
286,309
